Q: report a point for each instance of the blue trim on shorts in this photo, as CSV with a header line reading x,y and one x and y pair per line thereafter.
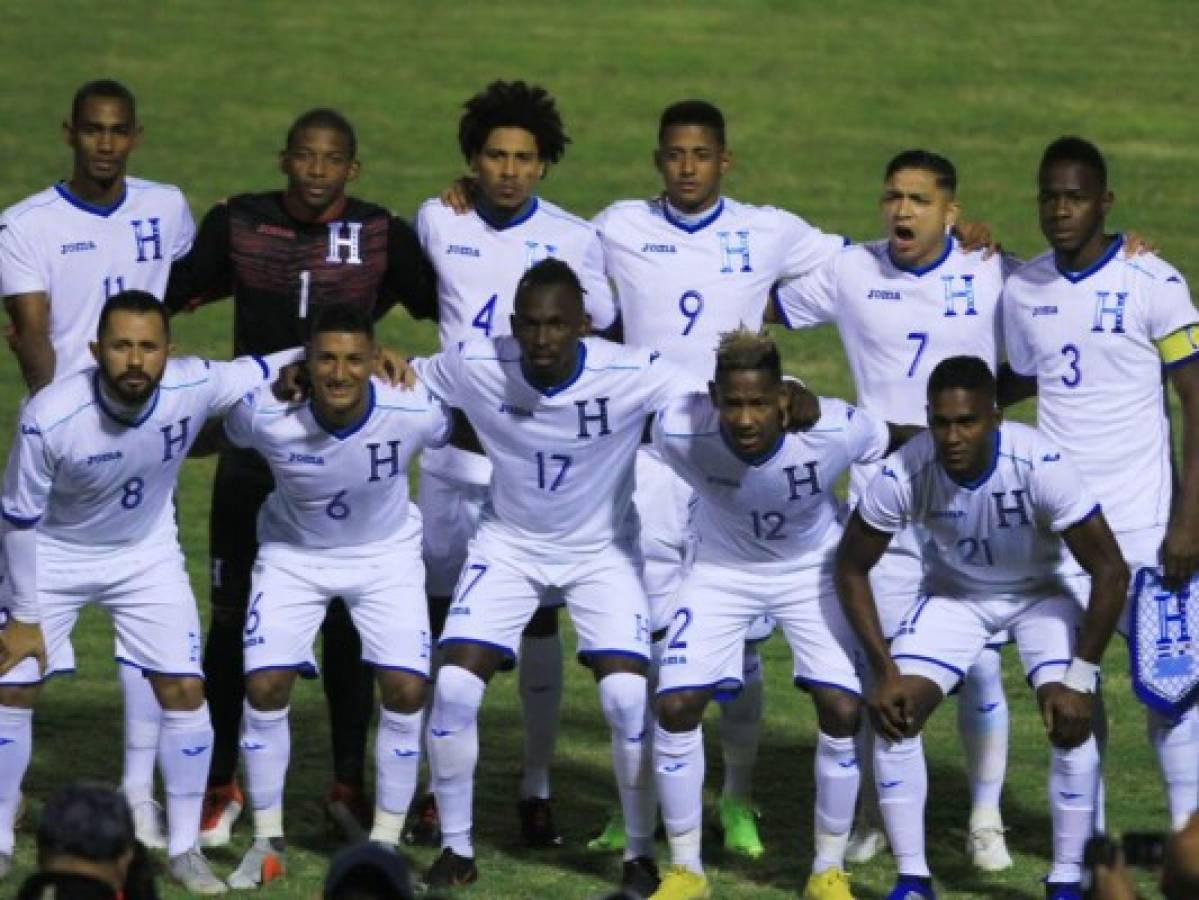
x,y
805,683
507,651
997,646
587,656
147,672
931,659
416,672
731,687
306,670
40,681
1040,666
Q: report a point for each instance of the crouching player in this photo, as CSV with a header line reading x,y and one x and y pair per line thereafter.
x,y
338,524
89,518
765,524
997,501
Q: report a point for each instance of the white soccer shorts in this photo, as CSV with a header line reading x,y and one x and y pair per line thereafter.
x,y
384,593
450,510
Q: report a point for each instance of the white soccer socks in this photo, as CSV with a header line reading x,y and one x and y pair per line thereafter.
x,y
397,762
1177,747
540,677
741,729
837,781
679,776
983,728
1073,784
623,701
184,754
902,782
143,721
453,742
16,743
266,751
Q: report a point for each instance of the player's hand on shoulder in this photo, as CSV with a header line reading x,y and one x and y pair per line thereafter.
x,y
21,640
977,236
803,407
1067,714
1136,244
292,385
392,366
459,196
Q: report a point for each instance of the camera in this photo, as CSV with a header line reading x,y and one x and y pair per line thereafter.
x,y
1143,849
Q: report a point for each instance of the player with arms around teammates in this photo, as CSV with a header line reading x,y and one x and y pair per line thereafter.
x,y
63,252
510,134
997,503
337,524
282,255
88,512
1091,331
766,523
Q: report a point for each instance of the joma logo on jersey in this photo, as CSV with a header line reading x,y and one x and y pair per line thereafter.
x,y
1044,311
727,482
307,459
947,514
883,294
1109,303
275,231
952,295
735,252
516,410
659,248
344,236
462,250
110,456
78,247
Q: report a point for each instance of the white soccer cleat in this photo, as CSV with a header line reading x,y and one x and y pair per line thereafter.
x,y
988,849
864,844
262,863
192,871
148,825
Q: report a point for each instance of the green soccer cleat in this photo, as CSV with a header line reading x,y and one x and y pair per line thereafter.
x,y
739,822
612,838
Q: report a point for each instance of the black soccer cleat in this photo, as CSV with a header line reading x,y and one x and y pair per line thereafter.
x,y
450,870
639,876
422,828
537,823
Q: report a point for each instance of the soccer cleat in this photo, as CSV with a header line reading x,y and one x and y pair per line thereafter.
x,y
831,884
263,863
1063,890
192,871
680,883
148,825
612,838
537,822
451,870
739,822
423,826
348,812
639,876
865,843
912,887
988,849
222,805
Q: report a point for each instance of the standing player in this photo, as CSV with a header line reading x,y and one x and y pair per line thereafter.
x,y
88,505
281,255
901,305
63,252
510,134
1092,330
338,524
996,502
766,522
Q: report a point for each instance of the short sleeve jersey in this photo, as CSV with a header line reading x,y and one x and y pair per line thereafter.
x,y
279,269
86,476
562,457
1088,338
779,511
339,488
79,255
995,537
679,287
479,264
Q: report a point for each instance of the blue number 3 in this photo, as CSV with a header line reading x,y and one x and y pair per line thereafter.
x,y
1072,380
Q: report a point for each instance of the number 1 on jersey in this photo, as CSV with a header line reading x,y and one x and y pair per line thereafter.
x,y
305,280
483,319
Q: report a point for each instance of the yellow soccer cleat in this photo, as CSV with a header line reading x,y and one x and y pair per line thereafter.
x,y
831,884
681,883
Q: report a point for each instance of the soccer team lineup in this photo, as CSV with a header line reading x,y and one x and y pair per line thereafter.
x,y
606,436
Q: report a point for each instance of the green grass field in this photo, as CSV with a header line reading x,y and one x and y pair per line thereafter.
x,y
818,96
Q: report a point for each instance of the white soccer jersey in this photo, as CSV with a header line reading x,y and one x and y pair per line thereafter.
x,y
94,481
562,458
79,255
1088,337
679,287
994,537
779,510
342,488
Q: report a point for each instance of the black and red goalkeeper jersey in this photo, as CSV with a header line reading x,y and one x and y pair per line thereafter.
x,y
278,268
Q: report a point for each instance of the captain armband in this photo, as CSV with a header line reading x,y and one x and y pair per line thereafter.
x,y
1179,346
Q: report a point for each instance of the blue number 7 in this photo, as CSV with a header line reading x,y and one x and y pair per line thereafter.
x,y
922,337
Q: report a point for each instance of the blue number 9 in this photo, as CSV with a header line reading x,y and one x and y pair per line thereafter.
x,y
691,304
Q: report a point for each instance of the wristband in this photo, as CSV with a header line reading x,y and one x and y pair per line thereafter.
x,y
1081,676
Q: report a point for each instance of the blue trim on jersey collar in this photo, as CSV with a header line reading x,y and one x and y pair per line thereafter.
x,y
762,458
103,211
350,430
1108,256
518,219
555,389
987,473
146,412
698,226
923,270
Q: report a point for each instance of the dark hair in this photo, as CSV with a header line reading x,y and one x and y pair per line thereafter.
x,y
967,373
745,350
926,161
368,870
324,117
692,112
102,87
512,104
1072,149
341,317
87,820
549,271
140,302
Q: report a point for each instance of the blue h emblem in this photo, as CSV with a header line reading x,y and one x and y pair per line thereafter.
x,y
952,296
141,238
731,250
534,252
1114,308
1173,635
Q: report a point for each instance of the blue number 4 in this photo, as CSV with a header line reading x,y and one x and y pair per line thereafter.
x,y
483,318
